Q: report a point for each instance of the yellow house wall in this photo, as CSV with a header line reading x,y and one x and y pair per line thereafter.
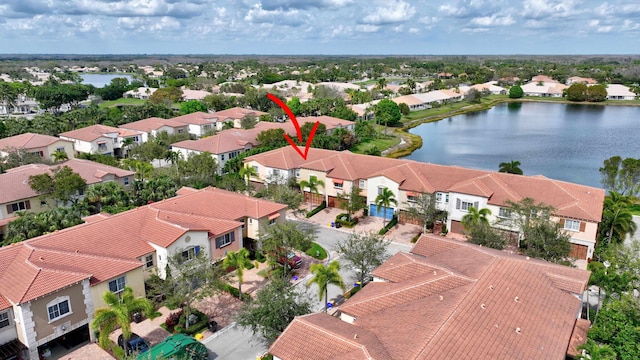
x,y
68,148
134,279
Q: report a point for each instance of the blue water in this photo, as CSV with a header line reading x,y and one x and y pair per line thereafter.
x,y
560,141
100,80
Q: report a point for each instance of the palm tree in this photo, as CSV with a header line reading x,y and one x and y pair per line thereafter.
x,y
382,83
313,184
247,172
325,275
126,143
118,313
239,260
384,199
475,218
617,211
512,167
60,155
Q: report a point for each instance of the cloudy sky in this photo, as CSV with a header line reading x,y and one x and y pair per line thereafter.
x,y
349,27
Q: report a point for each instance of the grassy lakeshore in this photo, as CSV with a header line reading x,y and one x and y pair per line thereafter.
x,y
459,108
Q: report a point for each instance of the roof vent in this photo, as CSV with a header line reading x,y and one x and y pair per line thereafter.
x,y
516,299
41,258
441,297
490,287
518,331
435,272
355,336
483,306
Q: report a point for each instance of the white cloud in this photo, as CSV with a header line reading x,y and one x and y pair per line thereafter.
x,y
367,28
537,9
494,20
276,17
392,12
304,4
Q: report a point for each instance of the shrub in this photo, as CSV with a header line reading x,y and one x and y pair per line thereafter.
x,y
202,323
415,238
317,210
392,223
343,219
235,292
173,319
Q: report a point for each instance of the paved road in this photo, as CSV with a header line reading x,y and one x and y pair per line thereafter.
x,y
235,343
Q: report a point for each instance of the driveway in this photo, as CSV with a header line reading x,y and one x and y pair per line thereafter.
x,y
234,342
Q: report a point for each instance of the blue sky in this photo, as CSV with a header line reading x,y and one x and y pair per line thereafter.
x,y
342,27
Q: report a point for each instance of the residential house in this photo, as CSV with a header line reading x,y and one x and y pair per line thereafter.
x,y
448,299
52,284
228,144
151,127
188,94
42,145
235,116
580,80
620,92
426,100
23,105
199,123
455,189
142,93
101,139
17,195
543,78
490,87
544,88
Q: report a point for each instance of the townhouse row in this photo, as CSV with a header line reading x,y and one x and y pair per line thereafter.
x,y
52,284
454,189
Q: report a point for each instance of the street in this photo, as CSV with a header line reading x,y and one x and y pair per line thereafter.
x,y
236,343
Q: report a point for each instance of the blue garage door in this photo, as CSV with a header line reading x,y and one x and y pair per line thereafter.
x,y
376,211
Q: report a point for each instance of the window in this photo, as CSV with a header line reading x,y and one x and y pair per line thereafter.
x,y
361,184
126,180
58,308
180,131
272,221
225,240
102,146
504,213
61,149
464,205
573,225
190,253
256,169
297,173
412,198
117,285
19,206
148,261
222,157
439,197
446,198
4,319
380,189
337,185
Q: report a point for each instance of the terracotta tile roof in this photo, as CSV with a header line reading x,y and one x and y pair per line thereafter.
x,y
196,118
150,124
4,303
569,200
236,113
346,341
28,141
578,337
14,183
90,133
214,203
22,280
453,300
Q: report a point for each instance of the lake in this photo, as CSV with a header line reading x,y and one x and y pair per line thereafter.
x,y
100,80
560,141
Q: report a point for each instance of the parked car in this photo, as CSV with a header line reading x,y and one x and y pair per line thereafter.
x,y
294,261
135,344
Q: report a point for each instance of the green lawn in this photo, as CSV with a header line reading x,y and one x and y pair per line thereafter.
x,y
382,143
122,101
317,251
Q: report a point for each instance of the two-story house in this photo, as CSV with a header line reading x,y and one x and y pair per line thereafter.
x,y
199,123
17,195
153,126
101,139
235,116
42,145
455,189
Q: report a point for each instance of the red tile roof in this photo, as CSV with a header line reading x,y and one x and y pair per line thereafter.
x,y
28,141
569,200
150,124
450,300
14,183
196,118
236,113
90,133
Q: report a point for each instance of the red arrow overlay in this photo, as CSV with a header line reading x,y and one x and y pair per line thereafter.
x,y
297,126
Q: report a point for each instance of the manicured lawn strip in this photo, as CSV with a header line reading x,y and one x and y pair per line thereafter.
x,y
122,101
382,143
316,249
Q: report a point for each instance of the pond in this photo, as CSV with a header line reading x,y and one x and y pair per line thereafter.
x,y
100,80
560,141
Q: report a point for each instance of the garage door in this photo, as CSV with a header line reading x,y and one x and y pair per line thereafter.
x,y
376,211
579,251
456,227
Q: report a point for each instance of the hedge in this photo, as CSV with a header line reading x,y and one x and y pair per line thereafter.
x,y
392,223
317,210
235,292
342,220
202,323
